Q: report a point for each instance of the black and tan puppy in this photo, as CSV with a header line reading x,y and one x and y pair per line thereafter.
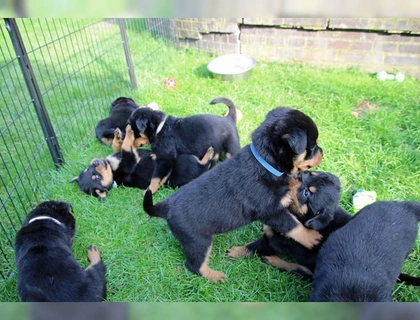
x,y
171,137
252,185
133,167
315,197
362,261
46,267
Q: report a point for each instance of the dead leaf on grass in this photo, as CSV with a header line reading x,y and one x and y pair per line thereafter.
x,y
363,107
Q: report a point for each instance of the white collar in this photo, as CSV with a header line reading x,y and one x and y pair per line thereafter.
x,y
45,218
160,126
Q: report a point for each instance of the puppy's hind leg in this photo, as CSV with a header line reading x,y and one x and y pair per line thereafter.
x,y
198,253
294,268
207,157
260,246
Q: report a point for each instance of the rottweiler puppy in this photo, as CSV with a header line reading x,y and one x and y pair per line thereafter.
x,y
315,197
361,262
170,136
46,267
133,167
252,185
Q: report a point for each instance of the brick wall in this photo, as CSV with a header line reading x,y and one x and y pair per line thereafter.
x,y
372,44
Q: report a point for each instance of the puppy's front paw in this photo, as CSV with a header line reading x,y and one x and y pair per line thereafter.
x,y
93,255
216,276
306,237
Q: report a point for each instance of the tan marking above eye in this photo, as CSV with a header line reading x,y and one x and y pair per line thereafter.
x,y
312,189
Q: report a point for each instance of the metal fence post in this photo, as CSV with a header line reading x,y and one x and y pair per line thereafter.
x,y
128,59
34,92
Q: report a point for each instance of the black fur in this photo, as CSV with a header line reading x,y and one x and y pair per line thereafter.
x,y
323,214
170,137
240,190
119,113
362,261
47,269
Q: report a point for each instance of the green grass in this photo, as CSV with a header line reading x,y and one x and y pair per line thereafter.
x,y
379,150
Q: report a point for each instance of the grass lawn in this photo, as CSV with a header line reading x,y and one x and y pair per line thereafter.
x,y
377,150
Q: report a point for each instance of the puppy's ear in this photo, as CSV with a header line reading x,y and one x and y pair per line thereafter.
x,y
75,179
141,125
297,140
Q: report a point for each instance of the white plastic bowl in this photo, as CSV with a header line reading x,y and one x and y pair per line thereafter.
x,y
232,67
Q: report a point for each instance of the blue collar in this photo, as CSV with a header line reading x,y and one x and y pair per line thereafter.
x,y
264,163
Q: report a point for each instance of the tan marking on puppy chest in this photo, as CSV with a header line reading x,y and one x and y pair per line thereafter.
x,y
206,272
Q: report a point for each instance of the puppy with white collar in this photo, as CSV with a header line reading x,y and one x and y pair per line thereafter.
x,y
46,268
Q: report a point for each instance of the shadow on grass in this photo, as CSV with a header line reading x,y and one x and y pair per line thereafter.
x,y
202,72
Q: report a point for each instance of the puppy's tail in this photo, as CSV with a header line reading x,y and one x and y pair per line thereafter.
x,y
153,210
408,280
231,114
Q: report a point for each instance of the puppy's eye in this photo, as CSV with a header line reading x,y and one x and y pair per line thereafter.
x,y
96,177
306,193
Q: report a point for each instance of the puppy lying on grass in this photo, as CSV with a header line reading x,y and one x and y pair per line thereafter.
x,y
315,197
133,167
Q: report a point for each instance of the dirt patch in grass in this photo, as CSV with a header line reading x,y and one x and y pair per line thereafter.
x,y
363,107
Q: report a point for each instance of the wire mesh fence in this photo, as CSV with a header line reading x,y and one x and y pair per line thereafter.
x,y
58,78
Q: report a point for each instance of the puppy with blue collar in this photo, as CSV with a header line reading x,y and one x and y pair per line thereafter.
x,y
46,268
250,186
